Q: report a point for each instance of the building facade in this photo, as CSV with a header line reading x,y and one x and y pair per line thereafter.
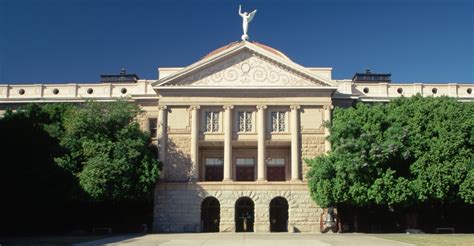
x,y
233,131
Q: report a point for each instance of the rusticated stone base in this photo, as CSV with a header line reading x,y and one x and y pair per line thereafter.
x,y
178,205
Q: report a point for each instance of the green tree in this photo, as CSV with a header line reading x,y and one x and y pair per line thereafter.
x,y
108,153
33,187
406,152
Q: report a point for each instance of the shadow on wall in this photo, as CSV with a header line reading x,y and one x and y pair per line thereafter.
x,y
178,165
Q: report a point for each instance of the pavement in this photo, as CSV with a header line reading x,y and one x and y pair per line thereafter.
x,y
247,239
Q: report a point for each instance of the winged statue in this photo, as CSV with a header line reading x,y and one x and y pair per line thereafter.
x,y
246,19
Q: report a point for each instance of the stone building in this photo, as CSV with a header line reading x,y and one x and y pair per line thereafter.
x,y
233,131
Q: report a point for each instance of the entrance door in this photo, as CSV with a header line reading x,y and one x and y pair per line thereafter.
x,y
210,215
244,215
278,215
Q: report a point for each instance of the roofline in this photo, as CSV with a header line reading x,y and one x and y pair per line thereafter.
x,y
246,88
201,63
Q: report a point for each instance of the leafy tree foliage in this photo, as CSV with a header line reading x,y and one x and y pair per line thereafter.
x,y
31,183
99,144
108,153
405,152
64,161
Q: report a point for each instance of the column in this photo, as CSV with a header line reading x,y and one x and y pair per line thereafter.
x,y
228,142
162,126
295,154
261,165
194,141
327,118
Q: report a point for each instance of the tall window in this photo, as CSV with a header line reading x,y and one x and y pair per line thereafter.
x,y
245,121
278,121
276,169
245,169
212,121
213,169
152,126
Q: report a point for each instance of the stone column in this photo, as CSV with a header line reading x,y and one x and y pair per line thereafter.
x,y
228,142
195,141
295,154
261,165
327,118
161,135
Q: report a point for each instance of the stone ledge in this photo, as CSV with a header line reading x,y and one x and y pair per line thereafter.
x,y
252,186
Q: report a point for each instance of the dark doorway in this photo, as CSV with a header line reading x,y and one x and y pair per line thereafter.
x,y
244,215
210,215
279,215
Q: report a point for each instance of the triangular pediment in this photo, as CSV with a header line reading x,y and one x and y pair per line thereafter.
x,y
246,65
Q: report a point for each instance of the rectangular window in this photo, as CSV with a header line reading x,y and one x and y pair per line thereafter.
x,y
276,169
278,121
212,121
276,162
245,169
245,161
245,121
153,126
214,162
214,169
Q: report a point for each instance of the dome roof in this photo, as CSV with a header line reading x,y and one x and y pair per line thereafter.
x,y
265,47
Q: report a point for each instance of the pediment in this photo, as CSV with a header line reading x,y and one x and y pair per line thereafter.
x,y
246,66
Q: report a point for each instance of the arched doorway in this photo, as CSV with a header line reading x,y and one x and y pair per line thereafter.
x,y
244,215
210,215
279,215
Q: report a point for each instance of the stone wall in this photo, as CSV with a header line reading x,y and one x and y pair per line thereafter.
x,y
311,145
178,205
178,165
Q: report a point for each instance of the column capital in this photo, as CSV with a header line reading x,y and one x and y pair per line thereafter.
x,y
162,107
194,107
326,107
227,107
261,107
295,107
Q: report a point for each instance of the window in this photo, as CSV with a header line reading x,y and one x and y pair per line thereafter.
x,y
278,121
213,169
245,169
214,162
245,121
276,169
245,161
152,126
276,162
212,121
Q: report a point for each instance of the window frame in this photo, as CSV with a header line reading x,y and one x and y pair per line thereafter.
x,y
281,118
215,121
248,120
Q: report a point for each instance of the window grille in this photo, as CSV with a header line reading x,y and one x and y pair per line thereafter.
x,y
278,121
245,121
212,121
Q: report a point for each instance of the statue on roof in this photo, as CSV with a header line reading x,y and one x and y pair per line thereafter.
x,y
246,19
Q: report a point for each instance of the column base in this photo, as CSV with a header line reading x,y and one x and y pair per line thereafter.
x,y
262,180
227,180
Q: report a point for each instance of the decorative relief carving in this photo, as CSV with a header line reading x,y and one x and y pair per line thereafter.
x,y
247,69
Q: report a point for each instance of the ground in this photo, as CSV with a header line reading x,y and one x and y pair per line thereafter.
x,y
432,239
249,239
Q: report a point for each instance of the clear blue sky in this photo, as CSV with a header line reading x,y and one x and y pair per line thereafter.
x,y
54,41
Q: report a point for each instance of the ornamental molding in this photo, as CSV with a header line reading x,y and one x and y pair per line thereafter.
x,y
247,69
